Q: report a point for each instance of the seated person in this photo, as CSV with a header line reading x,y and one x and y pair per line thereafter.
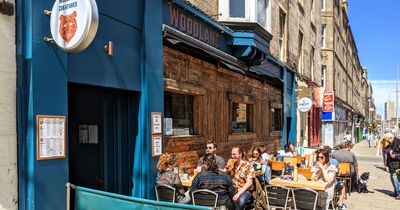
x,y
261,170
344,155
242,174
339,186
264,155
326,172
288,151
166,175
211,178
211,147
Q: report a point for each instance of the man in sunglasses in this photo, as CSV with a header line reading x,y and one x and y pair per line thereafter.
x,y
211,147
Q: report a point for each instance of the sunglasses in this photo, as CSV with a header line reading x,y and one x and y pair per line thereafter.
x,y
209,147
321,157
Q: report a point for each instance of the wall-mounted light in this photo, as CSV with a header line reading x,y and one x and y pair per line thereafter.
x,y
109,48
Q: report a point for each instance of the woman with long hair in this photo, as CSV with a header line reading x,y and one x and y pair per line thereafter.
x,y
166,175
326,172
261,169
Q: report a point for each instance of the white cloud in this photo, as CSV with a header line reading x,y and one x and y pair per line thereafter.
x,y
383,90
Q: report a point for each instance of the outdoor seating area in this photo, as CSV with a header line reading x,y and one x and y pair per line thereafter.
x,y
291,187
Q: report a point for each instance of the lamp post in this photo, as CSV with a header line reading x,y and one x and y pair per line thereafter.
x,y
397,91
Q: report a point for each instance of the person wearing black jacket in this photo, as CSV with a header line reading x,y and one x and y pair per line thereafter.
x,y
393,162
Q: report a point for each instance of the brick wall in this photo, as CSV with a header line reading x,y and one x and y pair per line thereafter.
x,y
214,87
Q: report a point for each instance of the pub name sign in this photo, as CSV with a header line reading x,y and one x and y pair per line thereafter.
x,y
180,20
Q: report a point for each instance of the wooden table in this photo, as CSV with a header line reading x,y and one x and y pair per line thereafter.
x,y
321,186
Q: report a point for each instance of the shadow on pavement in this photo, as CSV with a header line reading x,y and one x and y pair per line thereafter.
x,y
380,167
386,192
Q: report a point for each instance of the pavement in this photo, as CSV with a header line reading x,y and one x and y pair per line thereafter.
x,y
379,182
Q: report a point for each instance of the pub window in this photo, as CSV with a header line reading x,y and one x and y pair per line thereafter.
x,y
242,117
276,118
179,111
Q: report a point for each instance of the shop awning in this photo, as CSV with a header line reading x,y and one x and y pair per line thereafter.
x,y
178,38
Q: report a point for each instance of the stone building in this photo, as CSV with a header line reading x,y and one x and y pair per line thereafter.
x,y
343,72
296,42
8,124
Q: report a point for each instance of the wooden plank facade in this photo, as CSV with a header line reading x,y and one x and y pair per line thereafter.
x,y
215,89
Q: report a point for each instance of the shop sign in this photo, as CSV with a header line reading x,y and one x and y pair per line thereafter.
x,y
73,23
270,69
318,94
191,25
327,116
328,101
304,104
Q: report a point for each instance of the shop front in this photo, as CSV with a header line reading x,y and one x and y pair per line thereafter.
x,y
211,94
84,106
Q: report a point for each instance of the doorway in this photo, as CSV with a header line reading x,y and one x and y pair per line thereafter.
x,y
101,131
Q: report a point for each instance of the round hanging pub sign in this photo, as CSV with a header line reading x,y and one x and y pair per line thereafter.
x,y
304,104
73,23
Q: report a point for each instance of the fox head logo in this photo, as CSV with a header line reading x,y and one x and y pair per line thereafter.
x,y
68,26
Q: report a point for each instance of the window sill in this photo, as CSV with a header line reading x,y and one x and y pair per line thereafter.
x,y
241,136
183,137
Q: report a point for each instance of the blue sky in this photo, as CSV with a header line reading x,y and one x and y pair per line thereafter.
x,y
376,29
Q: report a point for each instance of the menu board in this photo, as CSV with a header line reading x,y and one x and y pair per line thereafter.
x,y
156,123
156,145
51,138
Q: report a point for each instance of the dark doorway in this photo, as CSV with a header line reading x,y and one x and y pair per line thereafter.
x,y
101,131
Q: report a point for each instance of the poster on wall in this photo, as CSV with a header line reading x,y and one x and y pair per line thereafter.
x,y
156,145
51,138
156,123
328,102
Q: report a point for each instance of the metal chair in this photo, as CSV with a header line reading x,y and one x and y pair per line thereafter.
x,y
277,196
204,197
165,193
304,198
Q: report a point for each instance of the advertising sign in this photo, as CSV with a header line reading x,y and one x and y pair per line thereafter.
x,y
304,104
73,23
318,95
328,103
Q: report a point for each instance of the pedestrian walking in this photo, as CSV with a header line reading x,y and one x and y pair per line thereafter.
x,y
392,151
383,143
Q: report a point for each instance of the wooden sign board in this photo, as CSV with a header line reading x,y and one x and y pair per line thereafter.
x,y
50,137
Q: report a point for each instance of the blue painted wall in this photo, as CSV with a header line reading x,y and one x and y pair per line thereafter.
x,y
44,72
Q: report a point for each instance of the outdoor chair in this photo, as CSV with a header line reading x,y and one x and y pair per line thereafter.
x,y
306,172
304,198
277,197
204,197
276,167
344,175
165,193
292,161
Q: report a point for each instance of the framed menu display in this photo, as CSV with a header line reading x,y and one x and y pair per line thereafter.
x,y
156,145
50,137
156,123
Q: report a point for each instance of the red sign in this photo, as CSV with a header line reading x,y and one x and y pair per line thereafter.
x,y
328,102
